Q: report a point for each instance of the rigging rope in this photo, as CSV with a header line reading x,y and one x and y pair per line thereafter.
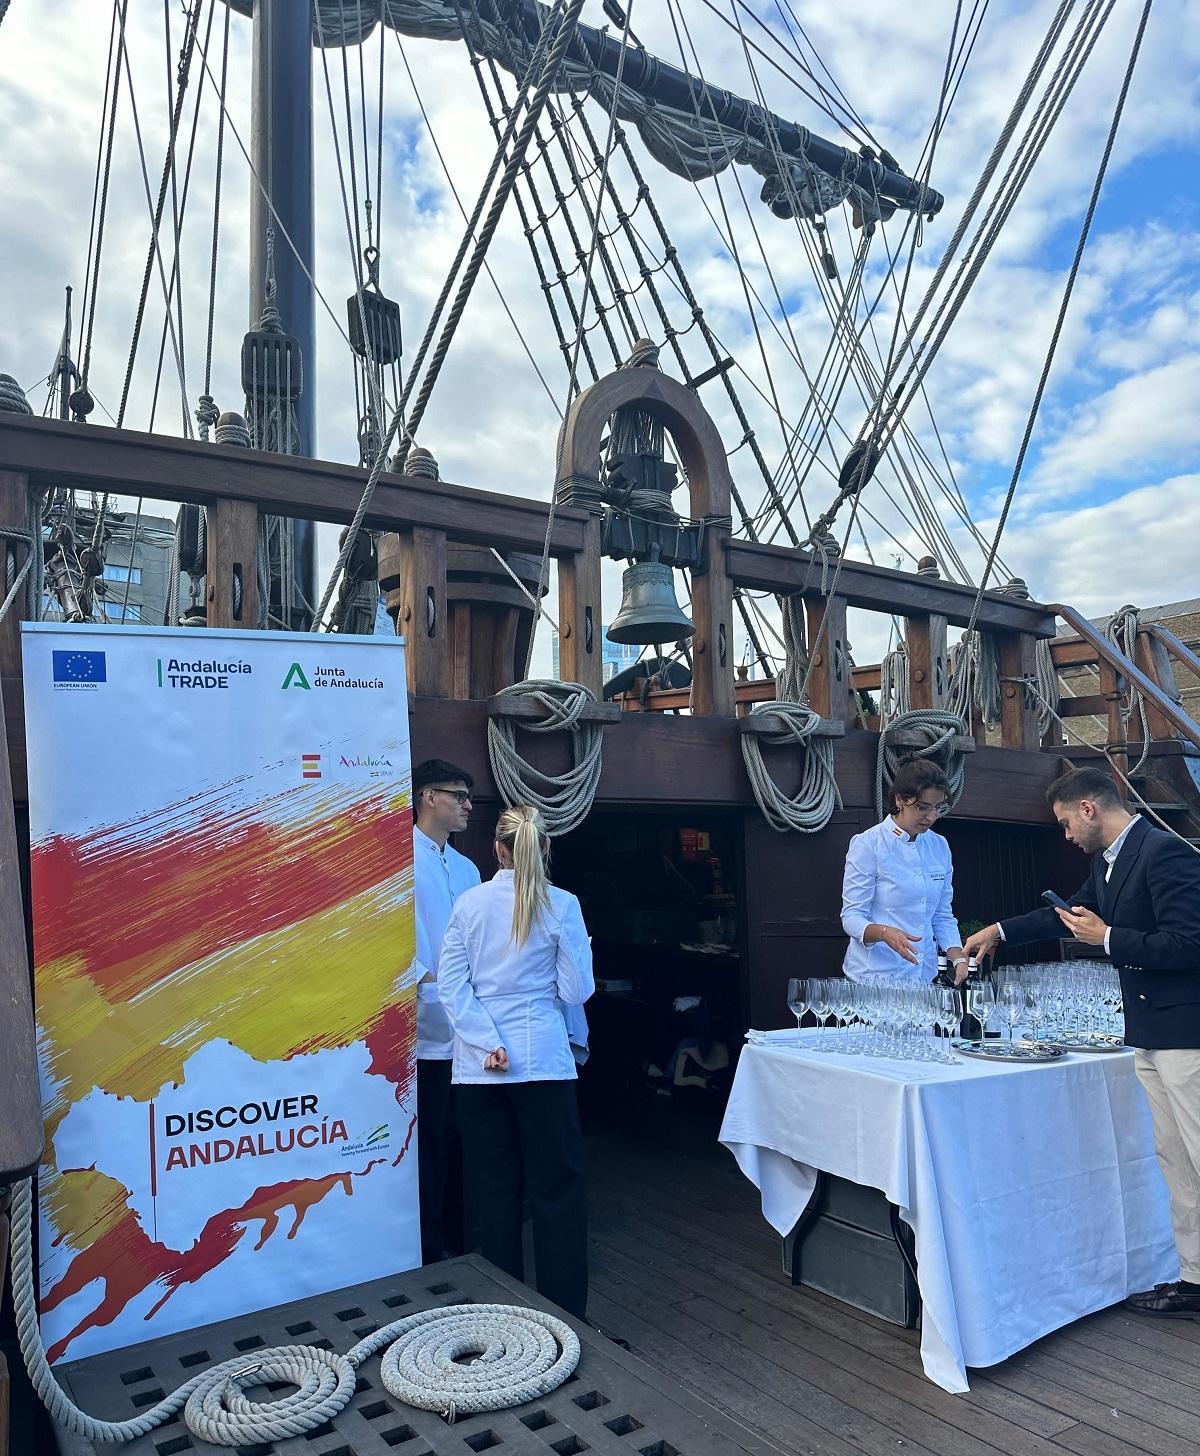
x,y
569,19
523,1353
1122,632
563,799
207,413
938,728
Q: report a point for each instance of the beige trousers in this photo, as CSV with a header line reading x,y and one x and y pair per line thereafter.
x,y
1172,1082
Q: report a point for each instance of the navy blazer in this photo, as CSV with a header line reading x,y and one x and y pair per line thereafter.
x,y
1152,903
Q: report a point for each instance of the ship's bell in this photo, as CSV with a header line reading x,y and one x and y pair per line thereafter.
x,y
649,612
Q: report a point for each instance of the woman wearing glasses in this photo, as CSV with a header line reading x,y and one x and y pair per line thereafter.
x,y
899,884
515,953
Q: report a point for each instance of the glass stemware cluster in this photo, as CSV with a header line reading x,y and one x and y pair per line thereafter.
x,y
905,1019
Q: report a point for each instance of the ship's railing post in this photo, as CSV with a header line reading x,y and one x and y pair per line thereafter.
x,y
233,564
1018,709
412,576
14,516
713,687
1155,661
829,685
928,670
580,634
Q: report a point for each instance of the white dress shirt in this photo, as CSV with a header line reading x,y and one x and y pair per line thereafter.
x,y
499,994
440,876
891,879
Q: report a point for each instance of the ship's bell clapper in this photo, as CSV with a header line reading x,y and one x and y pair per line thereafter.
x,y
649,613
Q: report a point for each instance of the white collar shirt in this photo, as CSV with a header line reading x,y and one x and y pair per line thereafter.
x,y
1114,849
440,876
499,994
891,879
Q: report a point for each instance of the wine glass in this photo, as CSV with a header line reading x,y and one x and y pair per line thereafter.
x,y
843,1006
797,1000
1035,1009
1012,1006
949,1014
981,997
820,1005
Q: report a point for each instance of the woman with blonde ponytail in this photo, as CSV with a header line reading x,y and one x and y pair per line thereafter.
x,y
515,953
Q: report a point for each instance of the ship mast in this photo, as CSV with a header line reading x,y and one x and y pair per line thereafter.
x,y
282,154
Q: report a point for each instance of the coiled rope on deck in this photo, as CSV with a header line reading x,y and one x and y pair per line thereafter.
x,y
563,799
523,1354
813,804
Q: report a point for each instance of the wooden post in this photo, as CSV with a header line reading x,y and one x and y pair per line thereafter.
x,y
460,652
580,655
1018,721
422,619
233,564
829,672
713,690
925,640
14,514
1155,661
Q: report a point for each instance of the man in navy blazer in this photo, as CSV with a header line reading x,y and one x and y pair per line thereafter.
x,y
1141,902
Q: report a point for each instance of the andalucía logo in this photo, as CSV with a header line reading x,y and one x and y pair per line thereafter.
x,y
310,765
79,669
295,678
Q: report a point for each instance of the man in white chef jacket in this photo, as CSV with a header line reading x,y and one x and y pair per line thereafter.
x,y
441,807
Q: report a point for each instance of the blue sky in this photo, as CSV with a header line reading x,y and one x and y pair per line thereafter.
x,y
1109,505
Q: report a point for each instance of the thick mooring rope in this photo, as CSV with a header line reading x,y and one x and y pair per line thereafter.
x,y
813,804
523,1355
563,799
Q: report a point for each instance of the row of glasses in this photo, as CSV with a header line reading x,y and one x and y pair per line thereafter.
x,y
898,1017
1070,1000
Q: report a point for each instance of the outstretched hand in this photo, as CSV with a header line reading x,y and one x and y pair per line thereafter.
x,y
900,941
983,942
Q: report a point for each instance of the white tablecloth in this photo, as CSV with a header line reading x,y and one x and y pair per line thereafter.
x,y
1033,1192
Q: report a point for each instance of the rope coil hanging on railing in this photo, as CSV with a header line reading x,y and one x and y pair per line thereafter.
x,y
939,729
814,802
524,1354
1122,632
563,799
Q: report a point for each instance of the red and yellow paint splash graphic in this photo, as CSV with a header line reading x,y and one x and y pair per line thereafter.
x,y
281,926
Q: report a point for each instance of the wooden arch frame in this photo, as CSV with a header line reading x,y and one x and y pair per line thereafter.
x,y
702,454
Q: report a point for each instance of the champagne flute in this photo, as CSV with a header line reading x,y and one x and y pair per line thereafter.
x,y
1035,1010
797,1000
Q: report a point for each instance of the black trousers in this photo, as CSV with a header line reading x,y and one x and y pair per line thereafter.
x,y
439,1162
522,1139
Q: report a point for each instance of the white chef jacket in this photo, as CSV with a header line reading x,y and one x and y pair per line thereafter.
x,y
891,879
499,994
440,876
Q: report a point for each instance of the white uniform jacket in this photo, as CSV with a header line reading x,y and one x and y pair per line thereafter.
x,y
891,879
439,877
499,994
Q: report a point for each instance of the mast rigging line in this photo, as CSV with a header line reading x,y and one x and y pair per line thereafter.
x,y
1064,305
568,12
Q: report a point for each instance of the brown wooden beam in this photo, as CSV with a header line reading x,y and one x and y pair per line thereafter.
x,y
14,515
829,661
580,630
128,462
785,570
412,570
232,599
1018,718
503,706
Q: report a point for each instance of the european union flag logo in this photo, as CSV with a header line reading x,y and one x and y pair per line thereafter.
x,y
79,667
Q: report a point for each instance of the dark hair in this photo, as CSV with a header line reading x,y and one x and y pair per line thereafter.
x,y
1084,783
914,776
438,771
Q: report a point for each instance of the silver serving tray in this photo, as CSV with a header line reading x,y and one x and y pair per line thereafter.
x,y
1093,1043
1021,1051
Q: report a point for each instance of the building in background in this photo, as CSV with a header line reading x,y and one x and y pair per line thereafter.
x,y
137,569
615,656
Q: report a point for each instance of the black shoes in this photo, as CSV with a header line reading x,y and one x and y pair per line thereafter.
x,y
1175,1301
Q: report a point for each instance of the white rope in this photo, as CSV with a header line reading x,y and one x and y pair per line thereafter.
x,y
1047,685
1122,632
789,682
939,728
894,693
813,804
563,799
523,1355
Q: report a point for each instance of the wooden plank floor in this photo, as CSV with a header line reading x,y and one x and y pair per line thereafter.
x,y
685,1268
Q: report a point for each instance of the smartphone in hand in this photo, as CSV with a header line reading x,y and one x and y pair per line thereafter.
x,y
1057,901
